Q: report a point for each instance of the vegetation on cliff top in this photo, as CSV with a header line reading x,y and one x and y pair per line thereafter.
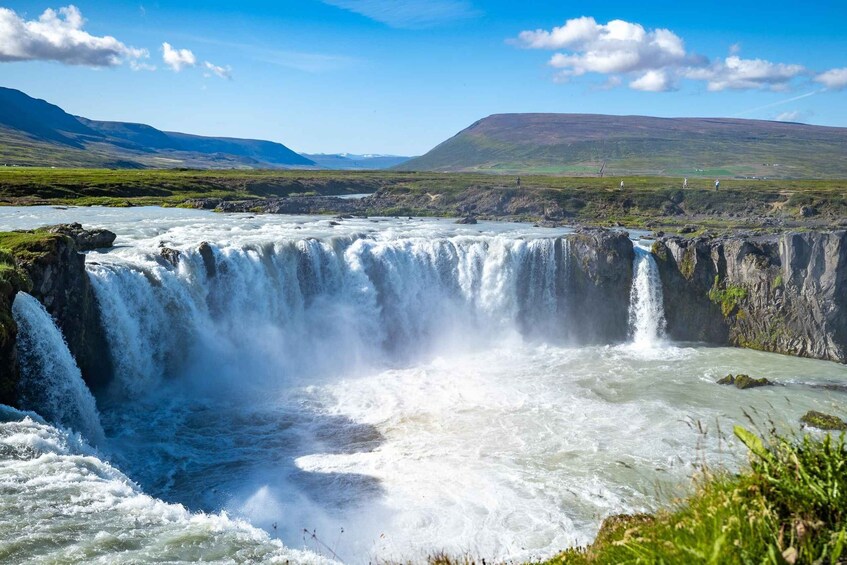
x,y
645,201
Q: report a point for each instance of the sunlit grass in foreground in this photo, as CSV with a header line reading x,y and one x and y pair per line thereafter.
x,y
789,506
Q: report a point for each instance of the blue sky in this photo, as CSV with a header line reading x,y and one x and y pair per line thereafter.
x,y
400,76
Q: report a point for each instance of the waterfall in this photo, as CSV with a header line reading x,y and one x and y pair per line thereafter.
x,y
314,306
51,383
646,311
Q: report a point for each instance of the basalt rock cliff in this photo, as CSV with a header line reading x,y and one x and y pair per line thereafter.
x,y
47,263
601,277
785,293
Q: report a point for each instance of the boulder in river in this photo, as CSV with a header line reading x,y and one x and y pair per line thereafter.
x,y
823,421
744,381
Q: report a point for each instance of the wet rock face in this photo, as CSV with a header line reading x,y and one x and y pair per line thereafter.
x,y
601,277
785,293
61,284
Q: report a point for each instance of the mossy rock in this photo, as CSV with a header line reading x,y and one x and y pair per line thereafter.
x,y
823,421
744,381
659,250
688,263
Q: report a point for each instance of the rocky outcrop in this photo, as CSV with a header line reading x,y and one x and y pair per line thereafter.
x,y
600,269
85,240
54,270
783,293
12,280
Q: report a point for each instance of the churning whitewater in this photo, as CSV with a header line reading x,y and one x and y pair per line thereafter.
x,y
295,388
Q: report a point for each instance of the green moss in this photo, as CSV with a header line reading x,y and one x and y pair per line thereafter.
x,y
28,245
823,421
727,295
659,251
688,263
744,381
777,282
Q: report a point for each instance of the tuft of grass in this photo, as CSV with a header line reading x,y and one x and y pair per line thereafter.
x,y
790,506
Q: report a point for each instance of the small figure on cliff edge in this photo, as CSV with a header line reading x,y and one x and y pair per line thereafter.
x,y
717,184
518,182
685,182
621,185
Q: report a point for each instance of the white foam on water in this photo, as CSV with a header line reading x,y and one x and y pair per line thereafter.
x,y
62,502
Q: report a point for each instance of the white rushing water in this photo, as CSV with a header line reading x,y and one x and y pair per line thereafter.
x,y
646,310
393,387
51,383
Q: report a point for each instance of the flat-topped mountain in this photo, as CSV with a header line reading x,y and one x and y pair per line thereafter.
x,y
36,133
592,144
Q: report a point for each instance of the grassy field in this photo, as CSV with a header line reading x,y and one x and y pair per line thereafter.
x,y
639,145
643,200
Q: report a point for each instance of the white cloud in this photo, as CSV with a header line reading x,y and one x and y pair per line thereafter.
x,y
833,79
655,60
615,47
791,116
409,13
736,73
222,72
177,59
652,81
59,36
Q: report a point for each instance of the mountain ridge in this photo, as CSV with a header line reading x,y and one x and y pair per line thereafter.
x,y
35,132
599,144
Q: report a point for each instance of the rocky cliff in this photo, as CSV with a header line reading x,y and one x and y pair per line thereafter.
x,y
784,293
601,275
47,263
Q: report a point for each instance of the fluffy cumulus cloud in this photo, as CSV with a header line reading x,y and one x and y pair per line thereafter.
x,y
652,81
586,46
833,79
177,59
58,35
655,60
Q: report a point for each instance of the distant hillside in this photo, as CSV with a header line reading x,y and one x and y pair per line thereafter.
x,y
587,144
36,133
348,161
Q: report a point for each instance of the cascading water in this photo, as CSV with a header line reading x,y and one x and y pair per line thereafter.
x,y
646,309
395,387
51,383
312,307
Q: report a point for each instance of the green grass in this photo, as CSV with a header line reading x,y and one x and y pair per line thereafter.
x,y
644,202
789,506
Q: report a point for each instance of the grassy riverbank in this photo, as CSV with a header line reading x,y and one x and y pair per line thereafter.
x,y
643,202
789,506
